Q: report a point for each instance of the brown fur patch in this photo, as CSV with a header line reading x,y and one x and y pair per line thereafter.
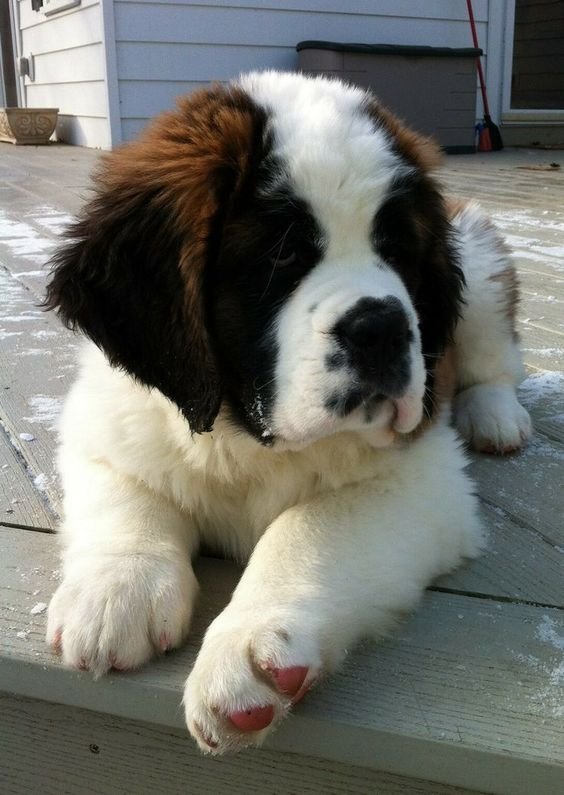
x,y
443,392
183,160
510,281
420,150
445,376
507,276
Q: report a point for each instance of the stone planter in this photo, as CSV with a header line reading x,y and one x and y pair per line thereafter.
x,y
27,125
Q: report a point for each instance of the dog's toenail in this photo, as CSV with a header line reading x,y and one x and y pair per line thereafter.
x,y
58,641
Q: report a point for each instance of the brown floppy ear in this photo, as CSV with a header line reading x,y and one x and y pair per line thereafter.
x,y
133,274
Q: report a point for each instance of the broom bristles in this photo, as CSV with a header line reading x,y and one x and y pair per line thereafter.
x,y
484,140
496,141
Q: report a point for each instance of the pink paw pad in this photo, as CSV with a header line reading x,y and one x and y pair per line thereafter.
x,y
292,681
164,641
253,719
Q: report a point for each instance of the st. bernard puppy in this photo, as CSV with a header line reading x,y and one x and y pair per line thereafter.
x,y
284,305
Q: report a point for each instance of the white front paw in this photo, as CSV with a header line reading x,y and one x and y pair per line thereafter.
x,y
491,419
116,610
246,677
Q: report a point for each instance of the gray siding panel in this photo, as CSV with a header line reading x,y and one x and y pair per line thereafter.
x,y
137,21
75,28
74,98
432,9
82,64
167,47
186,63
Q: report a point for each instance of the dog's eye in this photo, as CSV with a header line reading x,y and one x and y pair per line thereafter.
x,y
284,259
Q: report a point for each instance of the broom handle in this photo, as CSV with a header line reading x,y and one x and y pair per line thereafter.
x,y
478,59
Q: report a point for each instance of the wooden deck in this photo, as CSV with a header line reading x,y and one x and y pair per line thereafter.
x,y
468,693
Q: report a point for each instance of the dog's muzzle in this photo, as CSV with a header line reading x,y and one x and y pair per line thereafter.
x,y
373,339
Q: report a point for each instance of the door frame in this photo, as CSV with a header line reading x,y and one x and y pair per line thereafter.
x,y
17,47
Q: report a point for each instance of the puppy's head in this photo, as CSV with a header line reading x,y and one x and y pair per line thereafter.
x,y
277,246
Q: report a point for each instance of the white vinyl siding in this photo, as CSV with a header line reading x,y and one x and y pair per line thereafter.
x,y
169,47
70,70
137,56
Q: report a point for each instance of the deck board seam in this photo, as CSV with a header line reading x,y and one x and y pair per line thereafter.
x,y
16,526
521,522
514,600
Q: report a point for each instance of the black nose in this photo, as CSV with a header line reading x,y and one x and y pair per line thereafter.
x,y
376,335
373,323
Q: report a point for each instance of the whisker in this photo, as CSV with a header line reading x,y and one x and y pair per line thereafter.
x,y
280,247
263,386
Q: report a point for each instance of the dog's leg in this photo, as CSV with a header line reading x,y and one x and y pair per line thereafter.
x,y
486,410
324,574
128,587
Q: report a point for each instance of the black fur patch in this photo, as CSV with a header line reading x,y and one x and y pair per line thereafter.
x,y
412,233
270,243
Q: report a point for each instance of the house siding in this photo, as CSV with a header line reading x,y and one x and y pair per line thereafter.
x,y
169,47
70,70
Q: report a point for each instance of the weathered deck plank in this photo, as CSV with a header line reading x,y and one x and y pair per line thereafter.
x,y
519,564
464,678
85,753
543,394
544,350
21,503
37,361
527,485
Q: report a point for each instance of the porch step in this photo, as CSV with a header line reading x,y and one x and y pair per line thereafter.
x,y
468,693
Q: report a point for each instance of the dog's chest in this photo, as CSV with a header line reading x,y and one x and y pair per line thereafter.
x,y
233,496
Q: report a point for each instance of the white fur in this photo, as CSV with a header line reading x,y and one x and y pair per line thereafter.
x,y
486,410
344,537
341,537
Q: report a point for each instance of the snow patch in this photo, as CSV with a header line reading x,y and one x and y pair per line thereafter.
x,y
41,482
538,386
546,632
22,239
45,409
35,352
